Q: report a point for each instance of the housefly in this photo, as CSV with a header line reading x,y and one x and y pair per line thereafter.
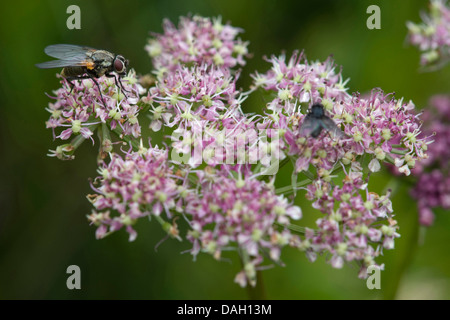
x,y
316,120
80,62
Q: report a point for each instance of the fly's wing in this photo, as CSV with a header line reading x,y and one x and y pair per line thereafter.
x,y
60,64
330,126
67,51
70,56
309,125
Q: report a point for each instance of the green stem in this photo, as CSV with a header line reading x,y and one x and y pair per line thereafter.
x,y
284,162
293,227
79,139
338,169
400,152
309,175
390,160
164,224
257,292
134,143
277,165
289,189
257,167
105,132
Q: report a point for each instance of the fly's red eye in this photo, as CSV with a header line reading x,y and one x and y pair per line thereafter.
x,y
118,66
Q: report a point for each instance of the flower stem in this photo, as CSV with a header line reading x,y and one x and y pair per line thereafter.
x,y
134,143
77,141
309,175
257,292
289,189
293,227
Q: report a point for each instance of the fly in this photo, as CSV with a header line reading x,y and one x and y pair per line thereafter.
x,y
316,120
80,62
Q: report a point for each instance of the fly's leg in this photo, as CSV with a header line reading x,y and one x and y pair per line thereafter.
x,y
118,83
87,76
99,90
71,84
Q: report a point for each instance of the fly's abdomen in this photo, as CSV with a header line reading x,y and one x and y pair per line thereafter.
x,y
73,72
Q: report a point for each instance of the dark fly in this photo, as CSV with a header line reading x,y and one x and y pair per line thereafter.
x,y
80,62
316,120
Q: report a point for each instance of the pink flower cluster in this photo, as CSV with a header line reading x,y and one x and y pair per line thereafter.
x,y
193,94
432,35
432,189
204,106
139,185
221,189
436,119
197,40
356,227
299,81
240,212
82,109
378,125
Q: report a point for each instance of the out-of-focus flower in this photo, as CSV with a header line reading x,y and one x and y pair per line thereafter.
x,y
140,184
436,119
432,35
239,211
197,40
432,189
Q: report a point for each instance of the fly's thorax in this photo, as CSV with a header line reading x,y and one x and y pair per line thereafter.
x,y
100,70
102,61
101,56
317,110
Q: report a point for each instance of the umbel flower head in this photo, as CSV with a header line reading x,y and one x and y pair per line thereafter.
x,y
300,81
223,193
81,109
197,40
193,94
141,184
203,106
378,125
232,209
357,224
432,35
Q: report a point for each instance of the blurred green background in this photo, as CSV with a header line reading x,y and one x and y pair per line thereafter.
x,y
43,225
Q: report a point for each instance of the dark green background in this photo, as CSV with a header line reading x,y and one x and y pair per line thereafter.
x,y
43,226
